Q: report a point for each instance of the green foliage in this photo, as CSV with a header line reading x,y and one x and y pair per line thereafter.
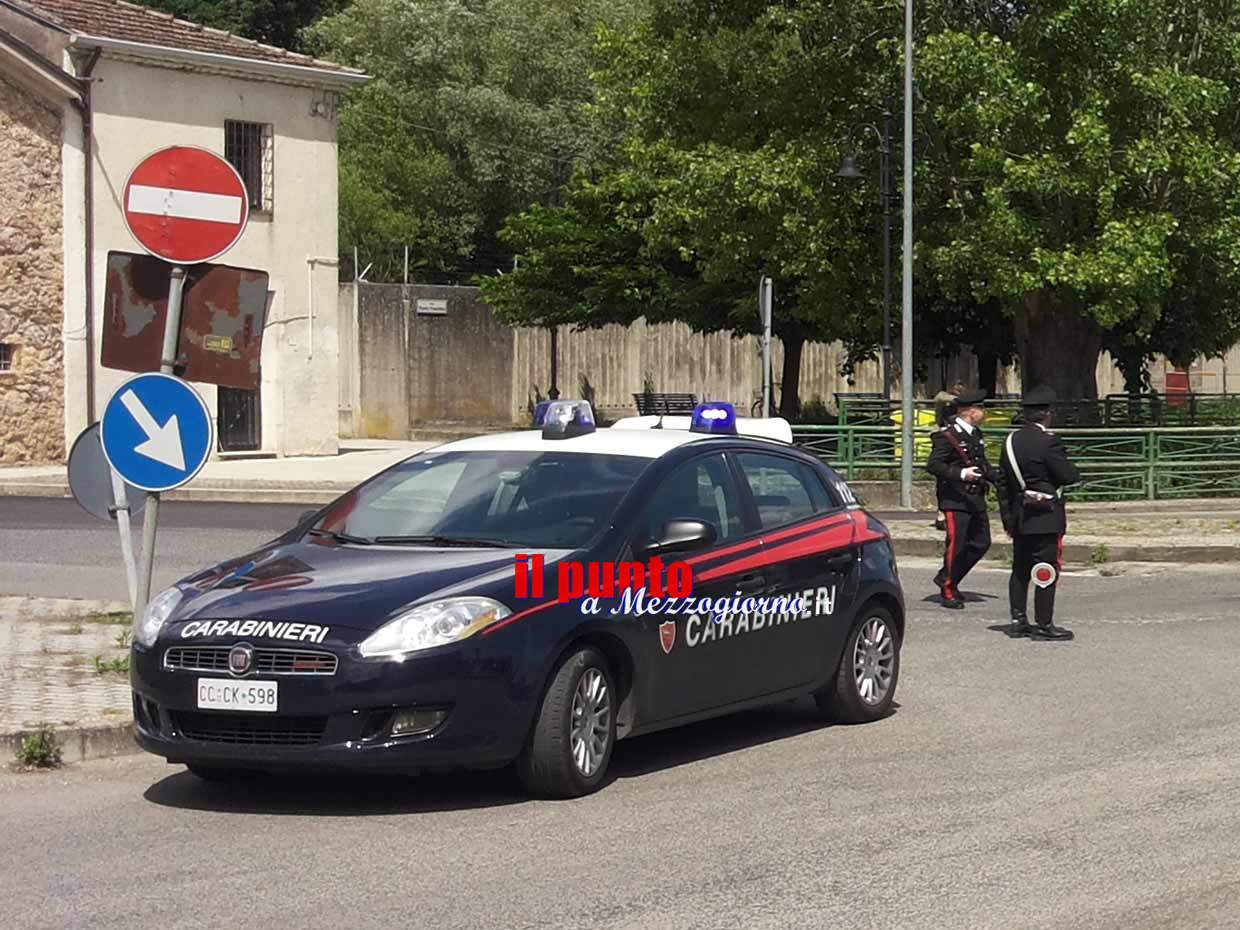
x,y
1086,152
1076,182
477,110
118,666
274,22
41,749
1100,554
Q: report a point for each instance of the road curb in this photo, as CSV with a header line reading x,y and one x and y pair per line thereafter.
x,y
1084,552
79,744
235,494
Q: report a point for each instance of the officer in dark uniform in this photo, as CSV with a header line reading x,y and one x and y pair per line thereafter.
x,y
1034,470
958,461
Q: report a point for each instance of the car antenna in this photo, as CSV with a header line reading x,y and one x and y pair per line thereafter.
x,y
659,425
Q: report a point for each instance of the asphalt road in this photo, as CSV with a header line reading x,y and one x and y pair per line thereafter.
x,y
1018,786
53,548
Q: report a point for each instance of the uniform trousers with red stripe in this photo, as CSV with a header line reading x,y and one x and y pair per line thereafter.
x,y
968,538
1037,556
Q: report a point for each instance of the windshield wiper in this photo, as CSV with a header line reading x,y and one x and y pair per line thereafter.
x,y
463,541
343,537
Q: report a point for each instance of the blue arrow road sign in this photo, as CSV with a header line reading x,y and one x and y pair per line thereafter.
x,y
157,432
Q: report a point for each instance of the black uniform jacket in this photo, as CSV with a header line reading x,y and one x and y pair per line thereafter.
x,y
952,449
1046,468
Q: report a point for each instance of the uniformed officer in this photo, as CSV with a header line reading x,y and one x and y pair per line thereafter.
x,y
1034,470
958,461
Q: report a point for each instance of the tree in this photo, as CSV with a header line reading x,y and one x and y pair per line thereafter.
x,y
274,22
477,111
734,116
1084,161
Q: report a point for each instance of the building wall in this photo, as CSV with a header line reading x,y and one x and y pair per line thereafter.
x,y
140,108
31,278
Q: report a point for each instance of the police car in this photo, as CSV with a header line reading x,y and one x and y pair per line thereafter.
x,y
479,605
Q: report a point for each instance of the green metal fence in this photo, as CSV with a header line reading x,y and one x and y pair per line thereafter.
x,y
1115,464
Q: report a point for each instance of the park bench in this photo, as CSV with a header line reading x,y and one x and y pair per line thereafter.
x,y
651,404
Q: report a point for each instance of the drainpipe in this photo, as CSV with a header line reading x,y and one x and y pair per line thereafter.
x,y
88,133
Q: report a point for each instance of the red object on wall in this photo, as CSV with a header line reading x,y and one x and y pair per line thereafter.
x,y
1176,387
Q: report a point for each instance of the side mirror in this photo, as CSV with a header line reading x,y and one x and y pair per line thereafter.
x,y
679,535
304,516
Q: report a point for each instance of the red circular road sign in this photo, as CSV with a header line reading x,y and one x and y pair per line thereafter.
x,y
185,205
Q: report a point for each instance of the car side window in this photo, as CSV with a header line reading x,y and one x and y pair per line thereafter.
x,y
784,490
698,490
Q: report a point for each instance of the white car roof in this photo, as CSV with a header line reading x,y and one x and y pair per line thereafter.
x,y
634,436
643,443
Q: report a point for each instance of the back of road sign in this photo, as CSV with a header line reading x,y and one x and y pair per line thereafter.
x,y
157,432
90,478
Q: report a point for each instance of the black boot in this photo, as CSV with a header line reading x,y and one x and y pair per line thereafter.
x,y
1051,632
1019,627
951,603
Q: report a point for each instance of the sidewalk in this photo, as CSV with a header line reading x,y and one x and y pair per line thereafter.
x,y
293,480
65,663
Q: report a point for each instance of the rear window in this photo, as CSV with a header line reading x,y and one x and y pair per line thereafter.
x,y
784,490
525,499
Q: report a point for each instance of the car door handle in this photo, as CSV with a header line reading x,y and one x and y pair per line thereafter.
x,y
750,581
841,563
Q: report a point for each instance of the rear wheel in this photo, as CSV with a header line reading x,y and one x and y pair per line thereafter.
x,y
864,685
570,747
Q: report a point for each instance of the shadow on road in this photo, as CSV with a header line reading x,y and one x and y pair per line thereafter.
x,y
364,795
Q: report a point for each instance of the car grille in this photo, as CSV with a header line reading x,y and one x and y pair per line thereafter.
x,y
266,661
249,730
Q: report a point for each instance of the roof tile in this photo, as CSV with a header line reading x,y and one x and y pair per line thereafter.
x,y
128,22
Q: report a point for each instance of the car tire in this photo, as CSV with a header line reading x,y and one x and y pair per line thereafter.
x,y
871,654
570,746
221,775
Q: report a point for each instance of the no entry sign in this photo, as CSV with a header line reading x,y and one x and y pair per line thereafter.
x,y
185,205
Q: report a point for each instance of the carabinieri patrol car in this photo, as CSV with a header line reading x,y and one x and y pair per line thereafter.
x,y
386,632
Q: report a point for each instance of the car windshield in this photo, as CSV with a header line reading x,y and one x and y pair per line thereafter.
x,y
554,500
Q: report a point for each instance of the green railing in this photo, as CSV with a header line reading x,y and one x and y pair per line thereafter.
x,y
1115,464
1124,411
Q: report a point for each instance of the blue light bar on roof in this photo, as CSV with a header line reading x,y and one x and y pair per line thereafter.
x,y
565,419
540,413
714,417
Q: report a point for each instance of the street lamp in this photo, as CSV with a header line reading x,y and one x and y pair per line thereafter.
x,y
850,171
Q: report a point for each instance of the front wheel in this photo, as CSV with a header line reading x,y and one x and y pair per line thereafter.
x,y
864,685
570,747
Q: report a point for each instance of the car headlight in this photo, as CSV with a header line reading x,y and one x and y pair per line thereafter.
x,y
156,614
435,624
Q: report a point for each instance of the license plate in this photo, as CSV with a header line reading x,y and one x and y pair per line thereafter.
x,y
221,694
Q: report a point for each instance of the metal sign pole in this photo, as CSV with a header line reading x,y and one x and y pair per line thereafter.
x,y
167,358
764,309
120,501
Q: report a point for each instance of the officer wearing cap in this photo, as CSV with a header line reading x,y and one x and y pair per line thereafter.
x,y
958,461
1034,469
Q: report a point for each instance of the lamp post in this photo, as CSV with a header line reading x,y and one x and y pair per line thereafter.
x,y
849,170
906,347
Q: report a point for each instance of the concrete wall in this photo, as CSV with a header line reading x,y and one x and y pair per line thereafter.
x,y
139,108
465,367
31,277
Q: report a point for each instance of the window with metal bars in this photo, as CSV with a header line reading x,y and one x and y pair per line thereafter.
x,y
247,147
6,357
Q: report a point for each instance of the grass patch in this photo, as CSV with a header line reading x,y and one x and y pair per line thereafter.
x,y
114,618
112,666
40,750
74,628
123,638
1101,554
1003,559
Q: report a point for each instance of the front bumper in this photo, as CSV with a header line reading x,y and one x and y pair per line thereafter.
x,y
340,721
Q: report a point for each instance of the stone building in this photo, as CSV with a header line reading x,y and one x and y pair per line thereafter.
x,y
88,88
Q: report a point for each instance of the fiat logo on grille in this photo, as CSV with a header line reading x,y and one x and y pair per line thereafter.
x,y
240,659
